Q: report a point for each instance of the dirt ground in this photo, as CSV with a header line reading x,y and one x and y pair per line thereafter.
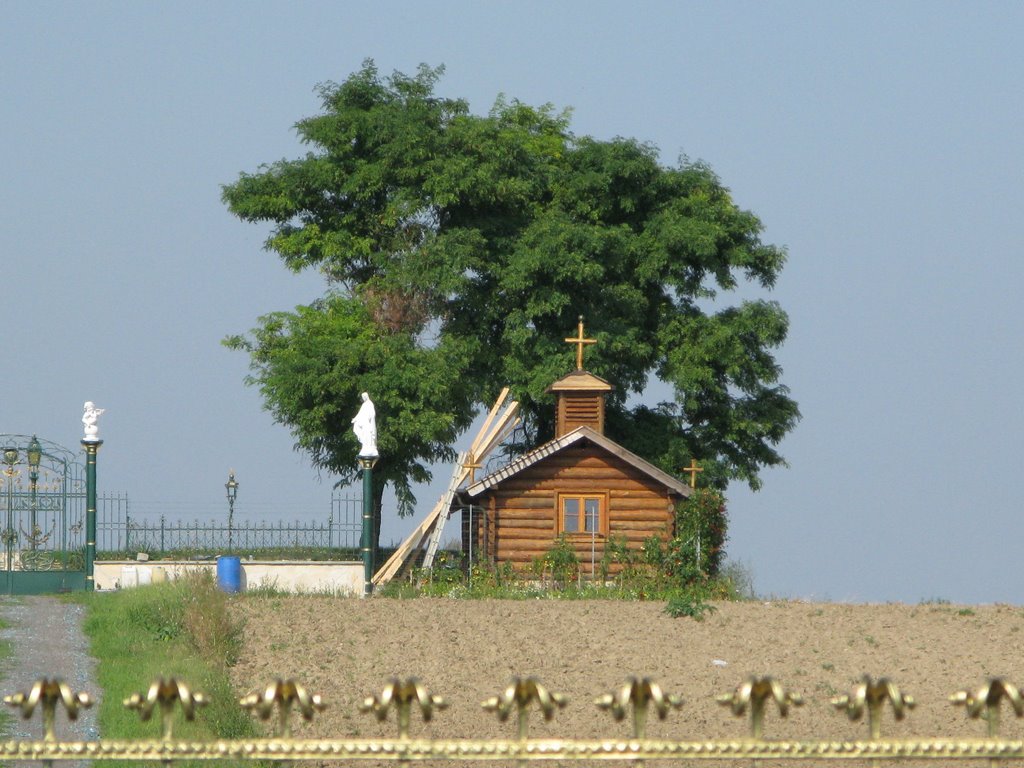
x,y
467,651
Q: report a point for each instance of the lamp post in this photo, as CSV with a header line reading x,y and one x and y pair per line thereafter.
x,y
232,488
10,459
35,455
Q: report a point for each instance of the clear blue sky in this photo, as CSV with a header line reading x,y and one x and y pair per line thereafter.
x,y
879,142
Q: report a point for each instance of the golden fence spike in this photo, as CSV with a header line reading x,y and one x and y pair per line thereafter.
x,y
871,696
519,694
284,694
755,692
639,695
401,696
47,693
985,702
165,692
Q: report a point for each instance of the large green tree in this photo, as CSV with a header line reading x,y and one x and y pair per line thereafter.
x,y
459,251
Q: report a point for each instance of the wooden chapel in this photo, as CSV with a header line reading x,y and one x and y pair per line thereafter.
x,y
581,484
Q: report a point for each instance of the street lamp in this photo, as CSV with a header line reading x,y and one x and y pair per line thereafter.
x,y
10,459
232,487
34,455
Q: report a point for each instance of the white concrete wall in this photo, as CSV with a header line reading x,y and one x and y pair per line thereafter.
x,y
286,575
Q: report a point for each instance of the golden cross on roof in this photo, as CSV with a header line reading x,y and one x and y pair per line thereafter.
x,y
580,342
693,469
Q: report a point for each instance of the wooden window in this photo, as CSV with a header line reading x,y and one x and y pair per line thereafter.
x,y
583,515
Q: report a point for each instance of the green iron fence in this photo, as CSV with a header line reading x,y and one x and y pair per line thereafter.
x,y
119,531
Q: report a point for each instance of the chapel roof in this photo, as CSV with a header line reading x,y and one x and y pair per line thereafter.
x,y
578,435
580,381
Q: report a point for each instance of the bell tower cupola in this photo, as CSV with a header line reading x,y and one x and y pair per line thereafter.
x,y
580,395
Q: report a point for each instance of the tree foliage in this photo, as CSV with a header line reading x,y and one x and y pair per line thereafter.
x,y
460,250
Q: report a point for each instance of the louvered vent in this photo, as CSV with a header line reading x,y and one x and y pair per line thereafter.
x,y
580,410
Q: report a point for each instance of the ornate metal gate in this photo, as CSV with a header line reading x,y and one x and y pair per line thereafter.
x,y
42,498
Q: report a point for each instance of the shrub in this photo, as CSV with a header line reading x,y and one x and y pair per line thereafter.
x,y
560,563
688,605
701,518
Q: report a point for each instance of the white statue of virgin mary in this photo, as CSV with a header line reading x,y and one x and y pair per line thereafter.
x,y
364,424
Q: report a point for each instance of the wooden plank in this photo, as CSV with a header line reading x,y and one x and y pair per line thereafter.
x,y
487,422
502,428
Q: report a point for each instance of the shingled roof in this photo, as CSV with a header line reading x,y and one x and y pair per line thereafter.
x,y
580,434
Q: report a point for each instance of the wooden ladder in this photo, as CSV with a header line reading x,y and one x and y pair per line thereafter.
x,y
495,429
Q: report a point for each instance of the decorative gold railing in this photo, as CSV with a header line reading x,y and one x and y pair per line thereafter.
x,y
636,698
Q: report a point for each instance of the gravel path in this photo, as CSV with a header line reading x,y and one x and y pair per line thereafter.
x,y
47,640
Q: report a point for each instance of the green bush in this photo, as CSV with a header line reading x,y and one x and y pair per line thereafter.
x,y
560,564
702,517
688,605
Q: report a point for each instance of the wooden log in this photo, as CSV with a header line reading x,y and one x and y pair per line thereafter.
x,y
521,484
515,512
646,503
528,537
521,556
642,517
512,523
537,502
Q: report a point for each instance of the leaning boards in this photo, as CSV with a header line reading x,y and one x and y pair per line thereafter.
x,y
495,429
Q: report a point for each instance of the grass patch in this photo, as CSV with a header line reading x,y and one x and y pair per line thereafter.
x,y
6,657
177,629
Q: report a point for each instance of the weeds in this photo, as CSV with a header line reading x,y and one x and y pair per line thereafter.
x,y
688,605
181,629
504,582
6,655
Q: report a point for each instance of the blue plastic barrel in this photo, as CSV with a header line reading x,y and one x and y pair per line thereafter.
x,y
229,573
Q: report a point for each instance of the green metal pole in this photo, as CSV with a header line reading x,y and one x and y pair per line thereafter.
x,y
366,545
92,447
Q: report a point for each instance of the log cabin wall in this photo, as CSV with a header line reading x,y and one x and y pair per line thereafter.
x,y
521,522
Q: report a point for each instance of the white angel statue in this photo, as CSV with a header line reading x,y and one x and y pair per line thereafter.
x,y
90,419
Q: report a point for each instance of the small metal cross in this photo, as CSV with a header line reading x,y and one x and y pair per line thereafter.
x,y
580,342
693,469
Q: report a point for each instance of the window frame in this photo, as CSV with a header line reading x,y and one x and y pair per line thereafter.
x,y
602,514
